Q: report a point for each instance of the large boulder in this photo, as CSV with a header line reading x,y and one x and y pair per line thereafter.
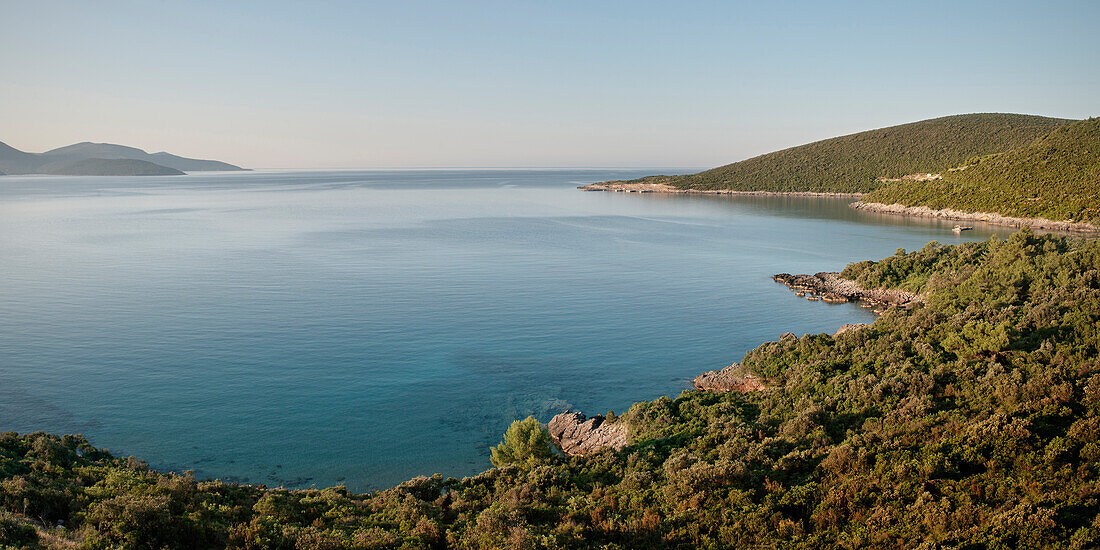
x,y
578,435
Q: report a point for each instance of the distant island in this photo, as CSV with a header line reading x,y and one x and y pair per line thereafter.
x,y
103,159
1002,168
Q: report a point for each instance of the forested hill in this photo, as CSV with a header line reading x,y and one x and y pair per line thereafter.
x,y
972,421
854,163
1056,177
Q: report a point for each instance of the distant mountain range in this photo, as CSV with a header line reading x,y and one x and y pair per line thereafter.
x,y
103,159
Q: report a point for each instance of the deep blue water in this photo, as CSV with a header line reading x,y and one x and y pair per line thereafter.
x,y
361,328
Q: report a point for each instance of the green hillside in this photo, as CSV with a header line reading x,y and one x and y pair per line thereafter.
x,y
972,422
1056,177
853,163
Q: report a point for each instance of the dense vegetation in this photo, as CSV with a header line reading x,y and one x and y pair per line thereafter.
x,y
970,422
1056,177
853,163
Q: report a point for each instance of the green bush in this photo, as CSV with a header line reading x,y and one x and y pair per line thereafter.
x,y
526,444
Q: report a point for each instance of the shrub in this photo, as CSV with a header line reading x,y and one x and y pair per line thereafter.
x,y
526,444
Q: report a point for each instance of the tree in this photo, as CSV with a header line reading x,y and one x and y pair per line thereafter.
x,y
526,444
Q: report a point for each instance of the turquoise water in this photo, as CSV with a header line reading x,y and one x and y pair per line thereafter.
x,y
360,328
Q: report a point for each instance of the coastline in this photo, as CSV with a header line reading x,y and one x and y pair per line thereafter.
x,y
576,435
829,286
985,217
616,187
880,208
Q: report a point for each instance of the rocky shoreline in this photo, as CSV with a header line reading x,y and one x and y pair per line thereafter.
x,y
830,287
986,217
896,209
577,435
619,187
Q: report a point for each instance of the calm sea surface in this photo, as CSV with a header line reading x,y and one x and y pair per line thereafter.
x,y
360,328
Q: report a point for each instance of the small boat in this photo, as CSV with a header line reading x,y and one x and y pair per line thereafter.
x,y
961,228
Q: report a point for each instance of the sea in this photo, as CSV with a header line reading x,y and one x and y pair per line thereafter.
x,y
360,328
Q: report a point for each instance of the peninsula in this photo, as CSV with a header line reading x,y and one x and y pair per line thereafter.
x,y
1017,170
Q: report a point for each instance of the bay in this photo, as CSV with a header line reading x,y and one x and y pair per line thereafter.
x,y
360,328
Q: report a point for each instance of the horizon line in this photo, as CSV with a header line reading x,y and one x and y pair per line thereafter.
x,y
410,168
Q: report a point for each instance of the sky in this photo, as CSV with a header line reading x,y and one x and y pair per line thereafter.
x,y
524,84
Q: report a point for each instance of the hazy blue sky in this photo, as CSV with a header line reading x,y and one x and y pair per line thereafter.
x,y
555,83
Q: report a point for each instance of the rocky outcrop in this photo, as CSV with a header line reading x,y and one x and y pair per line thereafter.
x,y
830,287
577,435
849,327
732,378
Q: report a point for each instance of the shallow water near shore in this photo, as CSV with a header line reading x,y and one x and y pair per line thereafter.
x,y
361,328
